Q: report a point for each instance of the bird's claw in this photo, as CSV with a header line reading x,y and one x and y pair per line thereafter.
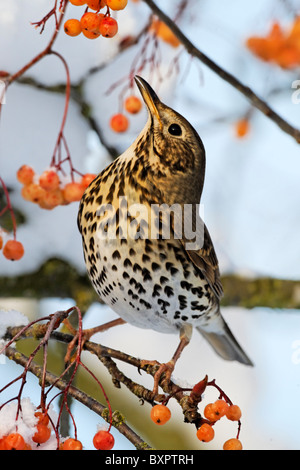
x,y
86,334
165,368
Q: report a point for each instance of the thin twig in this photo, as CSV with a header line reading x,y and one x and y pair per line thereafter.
x,y
80,396
45,52
106,356
8,207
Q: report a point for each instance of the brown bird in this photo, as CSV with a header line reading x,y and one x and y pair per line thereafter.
x,y
147,251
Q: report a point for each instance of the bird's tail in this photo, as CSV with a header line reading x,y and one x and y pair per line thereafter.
x,y
224,343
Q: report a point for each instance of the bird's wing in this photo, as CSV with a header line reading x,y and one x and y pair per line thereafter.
x,y
199,248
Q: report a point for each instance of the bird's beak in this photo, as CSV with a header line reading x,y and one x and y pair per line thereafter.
x,y
149,96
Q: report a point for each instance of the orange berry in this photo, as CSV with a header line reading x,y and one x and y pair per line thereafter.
x,y
215,411
242,128
119,123
233,444
33,192
164,32
73,192
233,413
78,3
108,27
91,21
96,4
2,443
14,441
72,27
42,434
133,104
103,440
87,179
222,407
117,4
71,444
91,34
295,30
259,47
276,31
13,250
49,180
160,414
52,199
43,418
205,433
209,412
25,174
1,242
288,58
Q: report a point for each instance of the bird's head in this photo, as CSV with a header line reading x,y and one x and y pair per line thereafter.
x,y
175,148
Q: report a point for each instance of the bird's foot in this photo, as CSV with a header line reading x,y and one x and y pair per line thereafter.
x,y
165,368
168,367
85,335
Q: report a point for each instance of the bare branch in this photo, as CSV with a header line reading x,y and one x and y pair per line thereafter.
x,y
82,397
46,51
255,100
106,356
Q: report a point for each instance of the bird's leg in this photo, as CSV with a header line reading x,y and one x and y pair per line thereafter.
x,y
168,367
87,334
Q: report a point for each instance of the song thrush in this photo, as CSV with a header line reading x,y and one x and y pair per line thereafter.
x,y
166,278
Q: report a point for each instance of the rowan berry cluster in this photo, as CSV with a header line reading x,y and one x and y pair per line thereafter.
x,y
119,122
213,412
103,440
25,426
41,432
279,46
47,190
93,24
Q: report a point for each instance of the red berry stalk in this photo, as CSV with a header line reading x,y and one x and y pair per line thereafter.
x,y
8,207
12,250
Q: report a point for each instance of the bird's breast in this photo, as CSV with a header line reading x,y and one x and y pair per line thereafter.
x,y
132,258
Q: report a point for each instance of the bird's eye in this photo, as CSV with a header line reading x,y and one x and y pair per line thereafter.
x,y
175,129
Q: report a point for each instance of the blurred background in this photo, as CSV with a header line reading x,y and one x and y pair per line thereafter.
x,y
251,203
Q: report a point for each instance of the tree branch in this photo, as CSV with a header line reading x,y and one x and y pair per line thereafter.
x,y
106,356
239,291
255,100
88,401
77,95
